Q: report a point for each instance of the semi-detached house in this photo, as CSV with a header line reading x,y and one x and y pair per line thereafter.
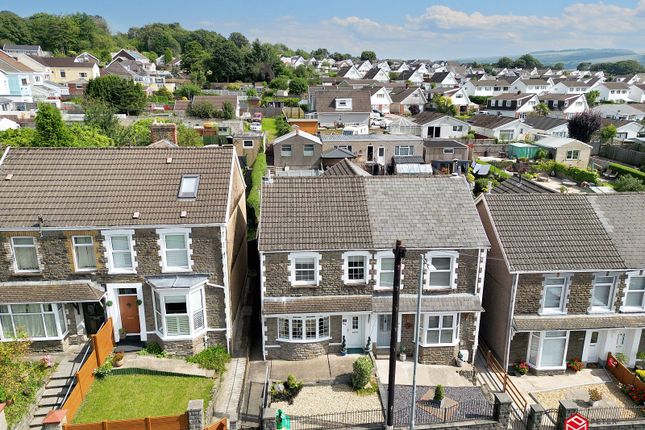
x,y
327,265
565,278
154,238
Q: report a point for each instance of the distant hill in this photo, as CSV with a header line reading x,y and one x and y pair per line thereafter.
x,y
572,57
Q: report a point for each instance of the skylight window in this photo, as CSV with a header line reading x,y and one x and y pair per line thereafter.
x,y
188,187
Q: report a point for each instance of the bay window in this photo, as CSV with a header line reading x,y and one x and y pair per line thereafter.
x,y
35,320
635,293
303,329
175,250
554,296
25,256
547,350
119,247
441,269
603,293
84,258
439,330
305,269
180,312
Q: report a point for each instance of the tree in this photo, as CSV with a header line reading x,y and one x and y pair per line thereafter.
x,y
583,125
443,104
187,91
320,53
168,56
251,92
504,62
298,86
592,97
226,62
50,128
101,116
583,66
558,66
527,60
121,94
541,109
282,127
201,110
628,183
279,83
238,39
608,133
368,56
193,57
14,28
227,111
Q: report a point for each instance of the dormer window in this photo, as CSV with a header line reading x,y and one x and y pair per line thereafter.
x,y
188,187
343,104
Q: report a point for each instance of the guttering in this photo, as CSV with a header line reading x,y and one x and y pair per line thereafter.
x,y
111,227
4,155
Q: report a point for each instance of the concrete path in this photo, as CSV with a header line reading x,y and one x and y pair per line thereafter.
x,y
230,390
530,383
325,368
430,375
175,365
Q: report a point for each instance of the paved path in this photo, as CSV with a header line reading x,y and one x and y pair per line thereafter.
x,y
175,365
230,390
431,375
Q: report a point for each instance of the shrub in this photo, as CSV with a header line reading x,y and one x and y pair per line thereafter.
x,y
362,372
202,110
575,364
626,170
153,348
287,390
622,358
104,369
595,394
118,356
212,358
635,393
640,373
628,183
521,368
439,393
482,184
582,175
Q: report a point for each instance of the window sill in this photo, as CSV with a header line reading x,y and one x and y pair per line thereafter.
x,y
304,285
631,310
122,272
437,345
322,339
27,274
355,284
425,288
167,338
92,270
176,270
600,311
551,313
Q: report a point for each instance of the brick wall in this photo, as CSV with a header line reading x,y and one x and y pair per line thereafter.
x,y
159,131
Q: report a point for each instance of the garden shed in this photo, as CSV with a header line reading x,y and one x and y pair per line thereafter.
x,y
522,150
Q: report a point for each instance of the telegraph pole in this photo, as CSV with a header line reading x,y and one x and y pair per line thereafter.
x,y
399,255
417,321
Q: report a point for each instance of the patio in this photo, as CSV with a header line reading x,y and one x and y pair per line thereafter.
x,y
430,375
324,368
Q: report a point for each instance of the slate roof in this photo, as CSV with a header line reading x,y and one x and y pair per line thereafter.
x,y
551,232
408,159
578,84
61,62
534,81
50,292
604,122
438,77
399,94
616,85
371,73
216,101
376,137
623,216
73,187
513,96
544,122
342,213
490,121
443,143
345,168
436,303
361,100
338,153
427,116
576,322
289,305
513,185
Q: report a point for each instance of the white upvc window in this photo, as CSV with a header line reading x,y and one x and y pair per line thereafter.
x,y
84,257
602,294
554,294
308,150
310,328
442,269
634,300
180,313
573,155
356,267
38,321
119,246
404,150
175,250
304,268
25,254
439,329
385,270
285,150
548,349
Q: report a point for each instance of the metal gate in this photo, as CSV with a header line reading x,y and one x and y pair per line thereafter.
x,y
518,420
549,420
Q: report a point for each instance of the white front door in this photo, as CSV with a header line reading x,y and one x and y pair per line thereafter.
x,y
353,330
380,159
591,349
621,337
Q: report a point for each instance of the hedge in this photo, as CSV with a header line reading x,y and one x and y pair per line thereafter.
x,y
259,170
626,170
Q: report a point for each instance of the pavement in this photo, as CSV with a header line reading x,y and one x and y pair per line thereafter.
x,y
430,375
174,365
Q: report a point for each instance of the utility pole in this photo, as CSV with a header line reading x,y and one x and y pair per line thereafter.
x,y
417,323
399,254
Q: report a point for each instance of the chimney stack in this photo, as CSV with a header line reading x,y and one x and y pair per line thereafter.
x,y
163,130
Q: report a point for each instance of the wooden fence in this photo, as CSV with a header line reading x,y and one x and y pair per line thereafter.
x,y
178,422
102,346
623,374
507,385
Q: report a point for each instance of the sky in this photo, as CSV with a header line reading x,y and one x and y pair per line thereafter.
x,y
444,29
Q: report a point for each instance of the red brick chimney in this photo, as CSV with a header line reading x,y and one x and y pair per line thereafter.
x,y
163,130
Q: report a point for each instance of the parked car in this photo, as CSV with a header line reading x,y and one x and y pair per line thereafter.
x,y
256,126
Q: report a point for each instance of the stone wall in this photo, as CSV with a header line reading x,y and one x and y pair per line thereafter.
x,y
519,348
281,350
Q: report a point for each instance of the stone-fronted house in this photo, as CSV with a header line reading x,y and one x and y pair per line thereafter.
x,y
327,265
564,278
154,238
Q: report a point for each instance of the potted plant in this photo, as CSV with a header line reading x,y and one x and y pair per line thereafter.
x,y
343,347
521,368
403,353
640,360
123,332
368,345
118,359
595,396
439,395
575,364
459,361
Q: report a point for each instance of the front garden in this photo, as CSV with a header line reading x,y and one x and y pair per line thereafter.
x,y
20,378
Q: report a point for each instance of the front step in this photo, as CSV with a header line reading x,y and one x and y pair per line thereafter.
x,y
55,391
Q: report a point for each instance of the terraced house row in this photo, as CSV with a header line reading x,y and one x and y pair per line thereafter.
x,y
154,238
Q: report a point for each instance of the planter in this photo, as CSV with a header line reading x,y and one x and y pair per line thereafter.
x,y
403,356
343,352
459,362
118,363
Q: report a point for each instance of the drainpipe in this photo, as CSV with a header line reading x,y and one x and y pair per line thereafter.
x,y
516,278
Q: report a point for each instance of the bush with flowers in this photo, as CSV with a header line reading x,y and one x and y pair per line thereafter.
x,y
575,364
634,393
521,368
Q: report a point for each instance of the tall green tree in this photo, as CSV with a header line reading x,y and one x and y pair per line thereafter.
x,y
583,125
50,128
226,62
368,56
121,94
443,104
239,39
297,86
592,97
100,115
504,62
608,133
14,28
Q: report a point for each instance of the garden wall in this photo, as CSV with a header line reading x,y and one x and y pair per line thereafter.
x,y
624,155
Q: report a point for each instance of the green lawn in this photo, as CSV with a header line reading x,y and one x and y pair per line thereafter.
x,y
268,125
120,397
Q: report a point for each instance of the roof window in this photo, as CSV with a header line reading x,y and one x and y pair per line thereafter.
x,y
188,187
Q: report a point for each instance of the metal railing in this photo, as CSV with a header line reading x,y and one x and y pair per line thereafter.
x,y
353,419
429,412
612,415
